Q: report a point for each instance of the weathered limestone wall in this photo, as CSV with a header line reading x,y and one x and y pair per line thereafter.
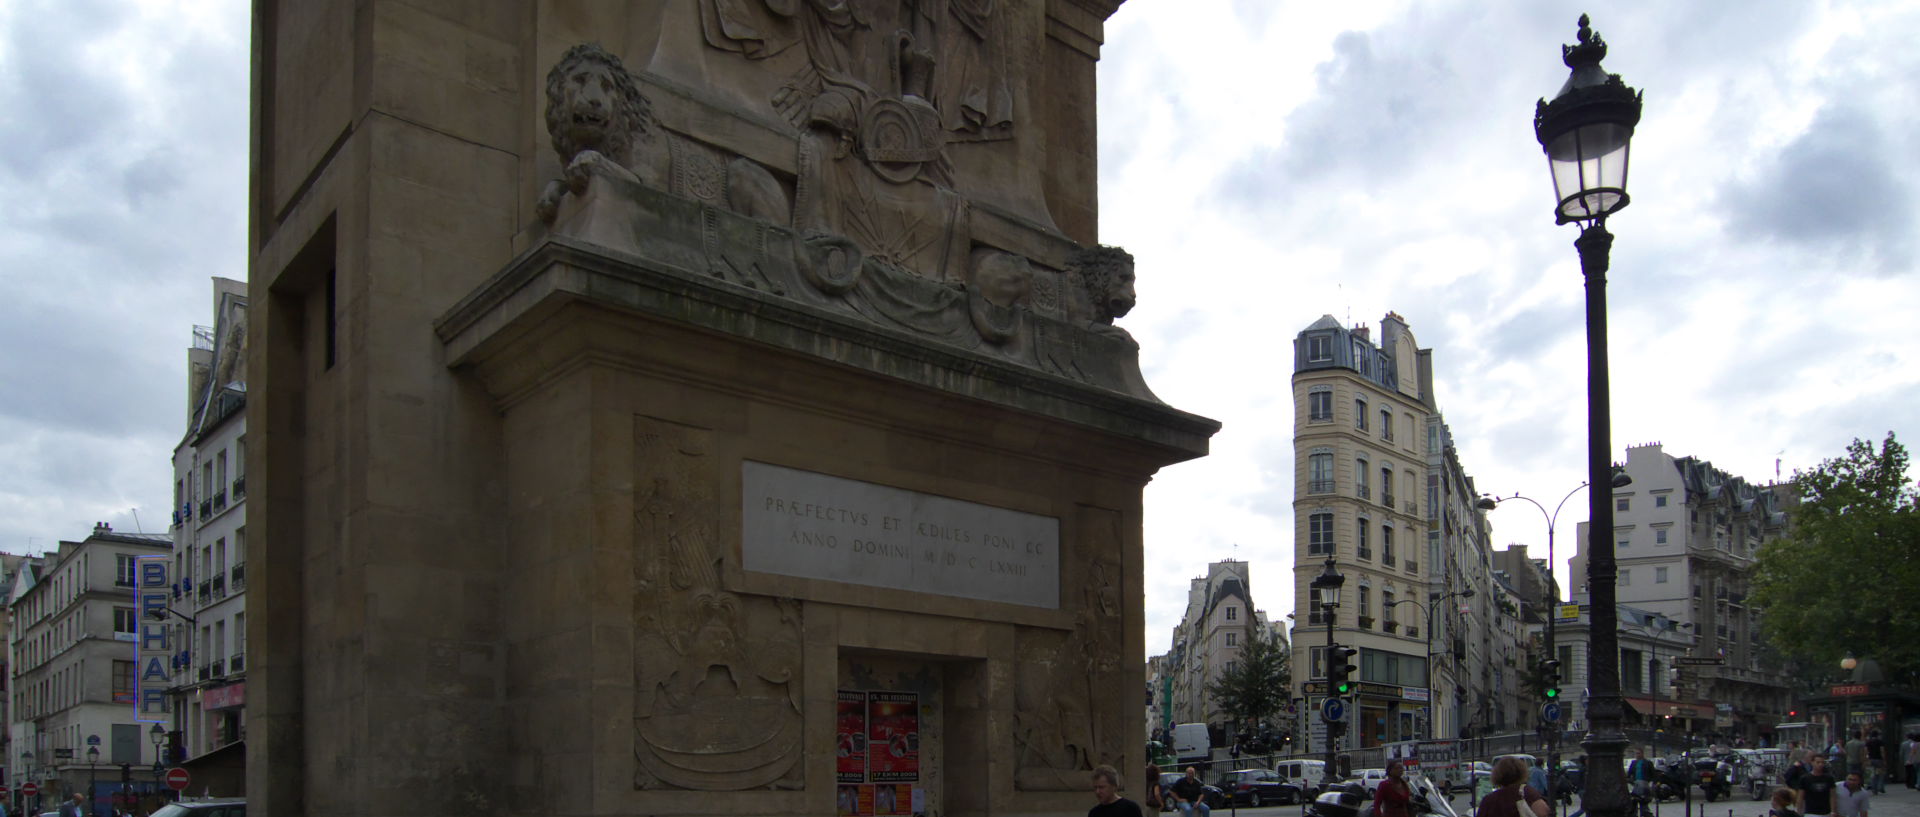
x,y
507,396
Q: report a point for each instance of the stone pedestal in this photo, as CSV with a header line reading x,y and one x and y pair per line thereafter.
x,y
746,431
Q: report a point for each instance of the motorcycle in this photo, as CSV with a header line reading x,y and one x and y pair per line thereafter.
x,y
1714,776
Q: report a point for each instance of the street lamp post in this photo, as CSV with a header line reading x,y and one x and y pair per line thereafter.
x,y
1488,503
93,778
1327,585
1586,132
1432,604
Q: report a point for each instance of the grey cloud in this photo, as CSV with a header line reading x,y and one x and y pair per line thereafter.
x,y
1833,189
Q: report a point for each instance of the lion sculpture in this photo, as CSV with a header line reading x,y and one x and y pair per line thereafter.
x,y
595,112
1106,292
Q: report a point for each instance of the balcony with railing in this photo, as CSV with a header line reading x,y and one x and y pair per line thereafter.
x,y
1366,622
1390,626
1366,553
218,667
239,487
238,663
1363,491
220,501
1386,498
206,508
240,577
219,584
1320,486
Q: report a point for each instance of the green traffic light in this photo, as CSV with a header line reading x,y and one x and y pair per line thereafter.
x,y
1552,693
1343,688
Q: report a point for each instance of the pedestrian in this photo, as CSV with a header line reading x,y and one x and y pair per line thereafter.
x,y
1640,774
1537,778
1156,795
1190,795
1850,800
1837,759
1783,804
1796,753
74,807
1910,757
1394,798
1106,789
1856,756
1815,789
1876,762
1511,796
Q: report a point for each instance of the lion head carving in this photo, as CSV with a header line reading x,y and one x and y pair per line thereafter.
x,y
1108,274
594,104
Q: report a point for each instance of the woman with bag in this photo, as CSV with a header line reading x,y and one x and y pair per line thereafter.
x,y
1511,796
1155,799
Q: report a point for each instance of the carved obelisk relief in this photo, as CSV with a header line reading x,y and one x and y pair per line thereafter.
x,y
716,674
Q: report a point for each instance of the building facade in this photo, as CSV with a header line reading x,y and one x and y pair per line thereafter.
x,y
1685,538
1219,622
70,646
210,537
1379,491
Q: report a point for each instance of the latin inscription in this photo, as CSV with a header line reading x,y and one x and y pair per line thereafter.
x,y
801,523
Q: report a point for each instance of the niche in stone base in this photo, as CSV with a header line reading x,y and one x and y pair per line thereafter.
x,y
909,735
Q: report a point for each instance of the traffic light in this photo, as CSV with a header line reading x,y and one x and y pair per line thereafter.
x,y
1339,671
1550,679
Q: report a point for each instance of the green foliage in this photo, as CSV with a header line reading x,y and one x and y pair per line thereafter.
x,y
1846,577
1259,684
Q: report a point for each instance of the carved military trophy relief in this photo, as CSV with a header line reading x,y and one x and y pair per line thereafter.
x,y
866,219
716,675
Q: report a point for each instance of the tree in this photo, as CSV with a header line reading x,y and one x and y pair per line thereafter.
x,y
1258,684
1846,577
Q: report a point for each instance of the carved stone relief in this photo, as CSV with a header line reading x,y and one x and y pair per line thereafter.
x,y
716,675
1063,708
869,227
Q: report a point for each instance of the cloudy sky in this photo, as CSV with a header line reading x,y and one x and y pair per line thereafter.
x,y
1267,162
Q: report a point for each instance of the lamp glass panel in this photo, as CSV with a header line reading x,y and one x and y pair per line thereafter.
x,y
1330,595
1589,165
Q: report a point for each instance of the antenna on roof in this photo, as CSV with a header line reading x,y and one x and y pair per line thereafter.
x,y
136,519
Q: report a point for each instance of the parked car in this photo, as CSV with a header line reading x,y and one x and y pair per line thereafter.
x,y
204,808
1213,797
1257,787
1370,778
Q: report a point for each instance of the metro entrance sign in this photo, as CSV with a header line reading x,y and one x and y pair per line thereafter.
x,y
177,779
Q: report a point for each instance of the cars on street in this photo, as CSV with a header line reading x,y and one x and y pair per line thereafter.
x,y
203,808
1213,796
1258,787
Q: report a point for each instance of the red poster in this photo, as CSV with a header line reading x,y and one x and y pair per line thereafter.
x,y
893,737
850,745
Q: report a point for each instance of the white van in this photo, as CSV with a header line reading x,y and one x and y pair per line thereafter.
x,y
1307,774
1191,743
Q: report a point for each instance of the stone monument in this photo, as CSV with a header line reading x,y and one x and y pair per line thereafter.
x,y
691,407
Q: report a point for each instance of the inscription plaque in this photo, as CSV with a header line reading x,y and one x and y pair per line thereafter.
x,y
816,526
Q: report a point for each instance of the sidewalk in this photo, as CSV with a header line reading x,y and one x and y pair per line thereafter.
x,y
1899,801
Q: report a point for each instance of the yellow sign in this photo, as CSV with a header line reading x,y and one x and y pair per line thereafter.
x,y
1568,612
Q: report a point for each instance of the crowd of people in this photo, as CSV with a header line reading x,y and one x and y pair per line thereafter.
x,y
1839,780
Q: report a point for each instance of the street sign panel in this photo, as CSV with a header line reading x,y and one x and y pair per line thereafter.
x,y
1550,712
1567,612
30,789
93,740
1333,709
1688,661
177,779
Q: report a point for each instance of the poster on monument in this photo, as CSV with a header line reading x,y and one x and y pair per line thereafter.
x,y
848,802
892,798
850,744
893,737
